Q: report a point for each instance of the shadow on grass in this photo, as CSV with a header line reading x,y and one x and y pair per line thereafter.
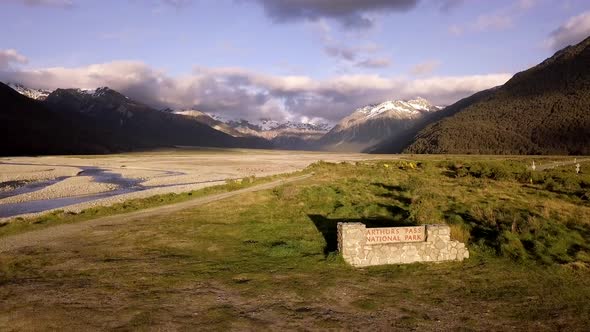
x,y
328,227
395,192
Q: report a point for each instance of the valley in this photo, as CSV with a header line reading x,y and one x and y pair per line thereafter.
x,y
73,183
295,165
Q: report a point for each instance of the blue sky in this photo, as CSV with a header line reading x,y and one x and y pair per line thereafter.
x,y
284,59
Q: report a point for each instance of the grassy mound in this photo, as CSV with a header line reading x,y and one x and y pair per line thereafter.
x,y
497,207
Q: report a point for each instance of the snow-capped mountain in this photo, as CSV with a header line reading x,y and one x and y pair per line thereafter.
x,y
371,124
283,135
40,94
393,108
271,128
37,94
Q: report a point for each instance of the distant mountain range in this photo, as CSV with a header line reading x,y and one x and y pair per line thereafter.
x,y
281,135
543,110
364,127
98,121
284,135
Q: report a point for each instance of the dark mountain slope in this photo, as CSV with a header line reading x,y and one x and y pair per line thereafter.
x,y
72,121
544,110
138,126
27,127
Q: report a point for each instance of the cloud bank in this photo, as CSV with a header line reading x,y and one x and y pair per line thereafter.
x,y
240,93
7,57
571,32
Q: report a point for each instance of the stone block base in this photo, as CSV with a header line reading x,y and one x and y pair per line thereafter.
x,y
438,247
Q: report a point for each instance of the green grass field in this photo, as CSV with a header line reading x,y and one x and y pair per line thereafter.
x,y
267,260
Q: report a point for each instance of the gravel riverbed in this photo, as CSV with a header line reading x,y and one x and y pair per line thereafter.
x,y
156,173
70,187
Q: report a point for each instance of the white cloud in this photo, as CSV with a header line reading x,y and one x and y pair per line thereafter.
x,y
527,4
379,62
503,18
51,3
365,54
493,21
11,56
237,92
571,32
456,30
362,56
341,52
425,68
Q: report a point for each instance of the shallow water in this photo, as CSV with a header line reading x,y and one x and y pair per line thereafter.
x,y
126,185
31,187
14,209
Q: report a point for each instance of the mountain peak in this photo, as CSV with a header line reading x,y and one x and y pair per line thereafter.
x,y
373,123
395,108
37,94
268,125
420,100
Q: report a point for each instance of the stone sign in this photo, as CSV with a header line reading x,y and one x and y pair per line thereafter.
x,y
396,234
362,246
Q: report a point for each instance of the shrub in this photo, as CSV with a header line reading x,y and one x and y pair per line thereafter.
x,y
461,233
550,184
424,210
511,246
413,183
499,171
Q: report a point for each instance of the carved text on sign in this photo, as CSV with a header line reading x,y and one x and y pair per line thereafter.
x,y
395,234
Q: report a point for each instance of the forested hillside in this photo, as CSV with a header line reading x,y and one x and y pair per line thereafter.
x,y
544,110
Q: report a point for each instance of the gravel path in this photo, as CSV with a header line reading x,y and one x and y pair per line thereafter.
x,y
46,235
